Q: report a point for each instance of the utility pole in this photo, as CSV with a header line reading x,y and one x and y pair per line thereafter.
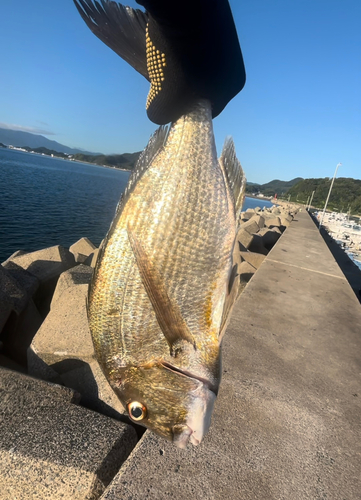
x,y
328,196
309,205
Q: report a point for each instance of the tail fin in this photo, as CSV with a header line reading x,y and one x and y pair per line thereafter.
x,y
187,49
121,28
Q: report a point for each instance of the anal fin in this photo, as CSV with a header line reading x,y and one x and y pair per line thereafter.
x,y
233,288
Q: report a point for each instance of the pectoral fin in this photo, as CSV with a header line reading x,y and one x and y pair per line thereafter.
x,y
167,312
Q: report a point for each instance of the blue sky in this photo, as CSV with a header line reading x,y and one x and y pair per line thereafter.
x,y
298,115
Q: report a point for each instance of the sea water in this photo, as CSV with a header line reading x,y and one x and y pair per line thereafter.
x,y
47,201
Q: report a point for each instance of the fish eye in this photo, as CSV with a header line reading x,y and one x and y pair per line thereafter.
x,y
137,411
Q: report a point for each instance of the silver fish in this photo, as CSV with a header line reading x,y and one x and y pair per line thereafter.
x,y
165,281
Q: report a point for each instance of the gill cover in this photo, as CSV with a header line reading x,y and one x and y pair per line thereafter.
x,y
175,406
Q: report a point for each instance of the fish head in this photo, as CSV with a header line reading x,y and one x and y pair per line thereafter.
x,y
170,403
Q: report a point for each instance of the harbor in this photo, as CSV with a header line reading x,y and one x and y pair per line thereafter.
x,y
286,421
346,231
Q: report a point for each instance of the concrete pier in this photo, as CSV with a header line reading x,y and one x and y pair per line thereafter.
x,y
287,420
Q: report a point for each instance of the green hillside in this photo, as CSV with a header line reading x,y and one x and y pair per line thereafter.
x,y
272,187
345,196
46,151
125,161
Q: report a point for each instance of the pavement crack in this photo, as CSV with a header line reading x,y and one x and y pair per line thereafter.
x,y
306,269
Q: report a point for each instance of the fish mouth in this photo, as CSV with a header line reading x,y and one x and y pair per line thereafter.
x,y
199,412
184,435
186,373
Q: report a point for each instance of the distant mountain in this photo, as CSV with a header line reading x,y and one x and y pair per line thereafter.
x,y
48,152
125,161
20,139
272,187
345,195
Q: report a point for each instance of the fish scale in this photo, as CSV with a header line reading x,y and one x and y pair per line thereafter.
x,y
172,236
186,243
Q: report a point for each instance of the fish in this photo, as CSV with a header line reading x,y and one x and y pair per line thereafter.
x,y
165,281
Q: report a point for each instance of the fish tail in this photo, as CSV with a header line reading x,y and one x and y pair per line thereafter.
x,y
187,50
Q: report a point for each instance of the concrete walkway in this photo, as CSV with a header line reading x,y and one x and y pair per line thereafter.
x,y
287,422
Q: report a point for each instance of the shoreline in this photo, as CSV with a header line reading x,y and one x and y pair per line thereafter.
x,y
266,198
66,159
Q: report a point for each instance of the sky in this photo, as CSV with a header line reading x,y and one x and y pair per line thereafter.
x,y
298,115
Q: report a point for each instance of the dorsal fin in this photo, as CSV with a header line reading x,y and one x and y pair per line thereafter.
x,y
146,157
154,146
121,28
168,314
234,173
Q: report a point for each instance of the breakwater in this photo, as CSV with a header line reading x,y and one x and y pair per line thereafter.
x,y
286,421
44,333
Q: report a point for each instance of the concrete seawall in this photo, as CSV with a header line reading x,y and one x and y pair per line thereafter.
x,y
287,419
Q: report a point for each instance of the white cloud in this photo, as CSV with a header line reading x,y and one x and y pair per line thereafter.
x,y
32,130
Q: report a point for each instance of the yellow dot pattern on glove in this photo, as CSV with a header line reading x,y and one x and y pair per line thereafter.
x,y
155,63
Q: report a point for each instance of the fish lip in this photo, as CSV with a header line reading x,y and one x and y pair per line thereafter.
x,y
186,373
182,439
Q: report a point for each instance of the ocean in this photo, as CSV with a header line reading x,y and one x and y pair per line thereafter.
x,y
47,201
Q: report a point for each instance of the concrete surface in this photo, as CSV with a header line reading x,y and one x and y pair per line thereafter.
x,y
53,449
45,264
246,271
19,331
250,226
26,280
82,249
257,244
78,275
89,380
260,220
62,350
12,294
65,332
270,236
273,222
287,420
255,259
19,317
92,259
244,237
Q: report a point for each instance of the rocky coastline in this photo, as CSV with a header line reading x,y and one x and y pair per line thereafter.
x,y
44,334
